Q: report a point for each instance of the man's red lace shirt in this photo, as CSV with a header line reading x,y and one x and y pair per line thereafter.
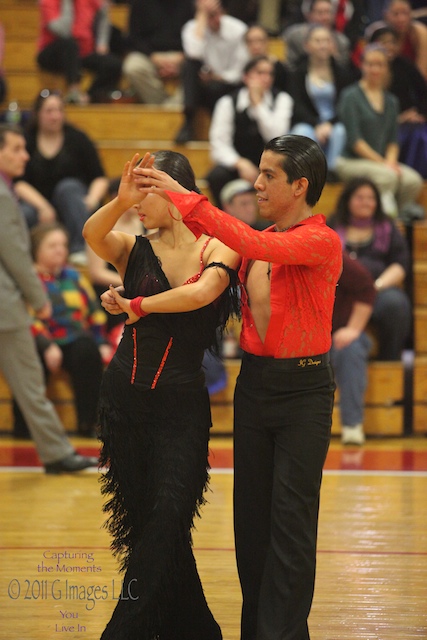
x,y
306,264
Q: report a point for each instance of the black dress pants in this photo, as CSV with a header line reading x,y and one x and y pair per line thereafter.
x,y
281,438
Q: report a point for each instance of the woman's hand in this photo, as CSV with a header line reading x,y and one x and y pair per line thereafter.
x,y
151,180
129,192
124,305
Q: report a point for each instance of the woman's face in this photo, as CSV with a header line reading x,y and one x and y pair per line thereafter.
x,y
375,67
51,115
319,43
363,202
153,212
260,75
398,16
52,253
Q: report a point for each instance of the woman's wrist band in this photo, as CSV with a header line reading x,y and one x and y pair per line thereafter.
x,y
135,305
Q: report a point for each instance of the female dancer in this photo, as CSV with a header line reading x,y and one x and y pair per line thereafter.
x,y
154,409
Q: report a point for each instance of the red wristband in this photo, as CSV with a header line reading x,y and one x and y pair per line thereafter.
x,y
135,305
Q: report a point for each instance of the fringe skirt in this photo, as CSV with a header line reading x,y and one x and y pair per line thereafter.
x,y
155,449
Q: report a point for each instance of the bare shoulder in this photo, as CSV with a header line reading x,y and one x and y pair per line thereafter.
x,y
216,251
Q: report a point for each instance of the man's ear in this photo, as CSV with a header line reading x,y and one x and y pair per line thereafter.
x,y
300,186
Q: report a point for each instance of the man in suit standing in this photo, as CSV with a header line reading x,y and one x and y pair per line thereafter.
x,y
20,287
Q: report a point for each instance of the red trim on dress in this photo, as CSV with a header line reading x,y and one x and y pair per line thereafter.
x,y
135,357
162,364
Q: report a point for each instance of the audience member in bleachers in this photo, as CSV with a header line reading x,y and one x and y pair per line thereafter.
x,y
154,40
243,122
370,115
215,54
21,287
409,86
238,198
350,18
321,13
412,34
372,237
2,75
73,338
256,39
351,345
64,171
74,35
315,87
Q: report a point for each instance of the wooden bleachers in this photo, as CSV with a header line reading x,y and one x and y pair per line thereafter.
x,y
419,258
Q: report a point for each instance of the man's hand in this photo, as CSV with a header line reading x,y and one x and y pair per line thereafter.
x,y
344,337
45,312
109,302
124,305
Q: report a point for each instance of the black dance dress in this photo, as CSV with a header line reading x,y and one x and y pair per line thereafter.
x,y
155,421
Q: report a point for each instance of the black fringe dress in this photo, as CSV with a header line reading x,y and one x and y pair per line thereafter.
x,y
155,420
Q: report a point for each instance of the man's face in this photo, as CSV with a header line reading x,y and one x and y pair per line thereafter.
x,y
13,155
274,193
322,13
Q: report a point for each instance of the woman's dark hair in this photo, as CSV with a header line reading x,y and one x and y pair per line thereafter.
x,y
32,124
178,167
39,233
302,158
342,212
253,63
383,31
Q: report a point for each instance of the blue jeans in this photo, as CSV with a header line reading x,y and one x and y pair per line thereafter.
x,y
333,147
350,368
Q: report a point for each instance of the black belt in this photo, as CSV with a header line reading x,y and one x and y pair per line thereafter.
x,y
302,363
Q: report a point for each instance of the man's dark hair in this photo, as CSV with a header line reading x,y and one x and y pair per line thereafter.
x,y
302,158
253,63
9,128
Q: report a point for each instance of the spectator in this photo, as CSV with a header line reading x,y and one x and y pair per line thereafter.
x,y
369,235
215,54
351,345
155,46
409,86
315,87
19,361
321,13
412,34
243,122
256,39
370,115
64,177
74,35
73,338
2,77
238,199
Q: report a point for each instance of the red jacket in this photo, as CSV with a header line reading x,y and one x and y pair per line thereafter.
x,y
83,25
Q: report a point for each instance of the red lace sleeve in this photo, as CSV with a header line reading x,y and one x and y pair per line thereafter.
x,y
307,243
